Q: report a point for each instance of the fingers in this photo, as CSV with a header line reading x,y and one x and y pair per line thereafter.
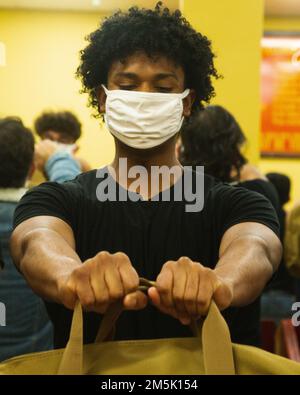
x,y
154,296
181,274
171,284
129,276
184,289
101,281
165,284
192,290
135,301
114,284
100,289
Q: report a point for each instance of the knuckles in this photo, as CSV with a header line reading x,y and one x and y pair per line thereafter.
x,y
121,257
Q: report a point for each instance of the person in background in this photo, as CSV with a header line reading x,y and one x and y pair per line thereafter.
x,y
280,292
73,242
213,138
28,328
55,163
63,128
292,246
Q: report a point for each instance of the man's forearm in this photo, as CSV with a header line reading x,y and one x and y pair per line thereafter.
x,y
46,257
246,264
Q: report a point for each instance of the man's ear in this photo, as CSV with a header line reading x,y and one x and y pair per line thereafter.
x,y
188,103
101,96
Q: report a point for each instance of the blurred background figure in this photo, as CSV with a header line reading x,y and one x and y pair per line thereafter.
x,y
28,328
54,162
64,129
280,292
292,245
214,139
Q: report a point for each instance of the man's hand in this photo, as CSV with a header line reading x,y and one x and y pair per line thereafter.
x,y
184,290
43,151
101,281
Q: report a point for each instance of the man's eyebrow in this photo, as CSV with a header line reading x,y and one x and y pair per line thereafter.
x,y
124,74
157,77
162,76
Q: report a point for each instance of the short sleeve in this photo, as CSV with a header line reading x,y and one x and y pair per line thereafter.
x,y
233,205
49,199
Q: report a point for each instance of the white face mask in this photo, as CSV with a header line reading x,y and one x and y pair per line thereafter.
x,y
142,119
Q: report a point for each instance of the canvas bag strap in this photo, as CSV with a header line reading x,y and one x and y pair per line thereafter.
x,y
110,318
216,342
72,358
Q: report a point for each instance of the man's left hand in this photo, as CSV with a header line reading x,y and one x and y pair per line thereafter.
x,y
184,289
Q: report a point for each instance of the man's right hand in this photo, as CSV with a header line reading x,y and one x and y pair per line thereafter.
x,y
101,281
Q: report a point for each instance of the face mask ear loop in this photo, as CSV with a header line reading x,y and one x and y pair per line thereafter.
x,y
185,93
183,96
105,89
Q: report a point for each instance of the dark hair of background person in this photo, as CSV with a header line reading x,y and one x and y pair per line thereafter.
x,y
282,183
16,152
213,138
63,122
157,32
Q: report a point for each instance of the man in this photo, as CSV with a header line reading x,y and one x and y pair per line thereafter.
x,y
28,328
64,128
145,70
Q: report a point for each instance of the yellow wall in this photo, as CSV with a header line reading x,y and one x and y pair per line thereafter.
x,y
290,167
235,28
42,56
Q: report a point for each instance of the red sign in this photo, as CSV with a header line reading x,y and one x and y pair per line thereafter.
x,y
280,75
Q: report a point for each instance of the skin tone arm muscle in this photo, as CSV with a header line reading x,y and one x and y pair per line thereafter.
x,y
249,254
43,249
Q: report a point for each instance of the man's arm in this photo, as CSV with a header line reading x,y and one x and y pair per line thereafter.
x,y
43,248
249,254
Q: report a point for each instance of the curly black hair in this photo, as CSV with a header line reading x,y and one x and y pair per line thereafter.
x,y
16,152
213,138
63,122
155,32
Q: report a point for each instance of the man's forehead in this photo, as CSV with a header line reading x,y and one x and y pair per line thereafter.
x,y
141,61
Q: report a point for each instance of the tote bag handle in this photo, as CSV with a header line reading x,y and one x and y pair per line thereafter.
x,y
216,341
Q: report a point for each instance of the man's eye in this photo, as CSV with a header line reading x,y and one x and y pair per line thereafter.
x,y
164,89
127,87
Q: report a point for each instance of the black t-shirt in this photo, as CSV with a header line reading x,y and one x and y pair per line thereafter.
x,y
150,233
265,188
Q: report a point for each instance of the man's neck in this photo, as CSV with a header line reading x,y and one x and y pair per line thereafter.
x,y
163,155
